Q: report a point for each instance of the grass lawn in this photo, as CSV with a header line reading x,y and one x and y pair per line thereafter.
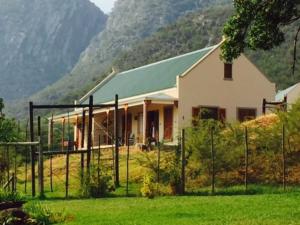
x,y
245,210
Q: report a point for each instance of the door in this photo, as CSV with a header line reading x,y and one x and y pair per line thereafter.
x,y
153,124
127,126
140,127
168,123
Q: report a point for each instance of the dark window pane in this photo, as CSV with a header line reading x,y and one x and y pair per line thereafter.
x,y
227,70
209,113
246,114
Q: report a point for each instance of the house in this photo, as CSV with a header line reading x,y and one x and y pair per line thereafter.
x,y
292,94
159,99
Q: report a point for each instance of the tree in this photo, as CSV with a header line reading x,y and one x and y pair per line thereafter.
x,y
8,127
1,107
257,24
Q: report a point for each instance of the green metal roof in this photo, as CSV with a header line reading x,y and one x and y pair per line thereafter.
x,y
150,78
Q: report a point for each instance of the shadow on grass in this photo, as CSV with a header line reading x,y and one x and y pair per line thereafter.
x,y
225,191
240,190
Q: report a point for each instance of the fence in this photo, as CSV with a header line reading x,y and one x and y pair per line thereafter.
x,y
209,158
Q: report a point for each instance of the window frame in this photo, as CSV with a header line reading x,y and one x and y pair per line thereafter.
x,y
244,108
228,75
198,108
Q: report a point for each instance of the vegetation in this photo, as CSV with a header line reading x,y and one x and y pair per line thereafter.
x,y
258,25
43,215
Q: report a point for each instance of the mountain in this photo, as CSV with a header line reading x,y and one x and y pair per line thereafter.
x,y
130,22
204,28
191,32
41,40
126,44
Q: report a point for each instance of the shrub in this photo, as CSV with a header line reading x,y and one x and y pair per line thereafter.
x,y
149,187
11,196
43,215
97,186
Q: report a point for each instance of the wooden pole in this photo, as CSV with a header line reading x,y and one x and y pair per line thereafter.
x,y
63,135
126,125
107,127
246,158
264,106
41,161
158,162
283,158
98,162
213,161
82,168
183,161
15,169
68,159
83,129
26,159
89,141
51,149
32,148
7,165
116,120
127,167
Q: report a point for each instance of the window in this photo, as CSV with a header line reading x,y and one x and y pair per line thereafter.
x,y
203,113
227,71
246,114
209,113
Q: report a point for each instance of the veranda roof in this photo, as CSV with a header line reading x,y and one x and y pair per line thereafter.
x,y
146,79
281,94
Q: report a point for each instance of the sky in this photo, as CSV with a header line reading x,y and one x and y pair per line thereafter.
x,y
105,5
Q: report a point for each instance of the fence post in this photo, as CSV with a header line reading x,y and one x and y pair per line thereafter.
x,y
41,170
41,161
116,131
212,161
32,148
283,158
158,162
98,162
8,165
246,158
89,140
127,166
51,147
183,161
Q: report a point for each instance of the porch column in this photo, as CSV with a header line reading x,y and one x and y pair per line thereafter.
x,y
107,127
77,132
50,133
145,122
126,124
63,134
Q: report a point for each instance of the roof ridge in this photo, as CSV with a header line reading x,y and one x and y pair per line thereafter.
x,y
166,60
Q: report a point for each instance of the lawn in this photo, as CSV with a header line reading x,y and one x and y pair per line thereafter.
x,y
259,209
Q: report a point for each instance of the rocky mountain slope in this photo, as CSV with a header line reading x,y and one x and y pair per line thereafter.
x,y
41,40
129,22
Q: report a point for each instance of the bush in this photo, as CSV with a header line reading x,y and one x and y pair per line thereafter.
x,y
97,186
43,215
169,171
149,187
11,196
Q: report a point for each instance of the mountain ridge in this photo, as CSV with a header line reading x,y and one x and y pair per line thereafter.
x,y
39,41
